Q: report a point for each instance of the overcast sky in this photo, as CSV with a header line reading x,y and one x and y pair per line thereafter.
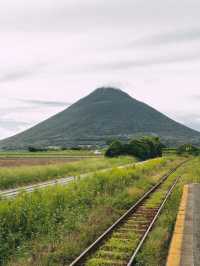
x,y
53,52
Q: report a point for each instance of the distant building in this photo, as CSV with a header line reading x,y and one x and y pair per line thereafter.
x,y
97,152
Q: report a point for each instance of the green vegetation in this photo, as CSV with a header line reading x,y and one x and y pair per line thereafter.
x,y
116,148
105,114
52,226
19,176
143,148
121,246
169,151
188,149
185,150
155,250
130,240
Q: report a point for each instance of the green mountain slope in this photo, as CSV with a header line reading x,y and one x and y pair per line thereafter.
x,y
105,113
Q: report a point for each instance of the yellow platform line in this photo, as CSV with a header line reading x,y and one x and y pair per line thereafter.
x,y
174,256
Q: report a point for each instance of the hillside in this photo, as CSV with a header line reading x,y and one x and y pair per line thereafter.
x,y
105,113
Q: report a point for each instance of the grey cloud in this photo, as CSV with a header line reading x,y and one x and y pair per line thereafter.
x,y
13,76
25,113
10,110
31,106
78,14
10,127
127,64
168,38
191,120
10,124
45,103
195,97
29,30
21,73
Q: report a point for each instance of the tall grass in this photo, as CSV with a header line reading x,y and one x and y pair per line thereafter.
x,y
18,176
53,226
115,244
155,250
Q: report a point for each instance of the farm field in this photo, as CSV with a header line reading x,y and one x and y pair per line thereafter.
x,y
24,175
51,227
64,153
30,161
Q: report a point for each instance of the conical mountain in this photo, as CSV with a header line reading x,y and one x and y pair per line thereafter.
x,y
104,114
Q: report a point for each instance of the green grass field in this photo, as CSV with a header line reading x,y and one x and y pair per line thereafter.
x,y
19,176
52,226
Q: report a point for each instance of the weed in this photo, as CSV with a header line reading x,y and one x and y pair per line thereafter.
x,y
53,226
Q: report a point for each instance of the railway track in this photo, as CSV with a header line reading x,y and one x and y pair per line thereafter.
x,y
120,244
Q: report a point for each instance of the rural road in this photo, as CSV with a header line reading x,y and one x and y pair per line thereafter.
x,y
61,181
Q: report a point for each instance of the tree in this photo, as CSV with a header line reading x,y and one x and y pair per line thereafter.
x,y
143,148
115,149
36,149
188,149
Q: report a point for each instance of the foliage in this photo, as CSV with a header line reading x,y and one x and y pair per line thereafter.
x,y
188,149
124,247
169,151
143,148
52,226
36,149
10,178
116,148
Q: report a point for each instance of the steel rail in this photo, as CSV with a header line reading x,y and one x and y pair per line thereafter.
x,y
94,246
131,261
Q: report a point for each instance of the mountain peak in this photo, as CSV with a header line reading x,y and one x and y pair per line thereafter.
x,y
107,93
110,90
105,113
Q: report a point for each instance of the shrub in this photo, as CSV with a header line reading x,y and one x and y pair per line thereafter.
x,y
57,223
188,149
36,149
116,148
143,148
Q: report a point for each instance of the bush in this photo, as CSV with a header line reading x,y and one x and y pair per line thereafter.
x,y
188,149
143,148
36,149
116,148
59,222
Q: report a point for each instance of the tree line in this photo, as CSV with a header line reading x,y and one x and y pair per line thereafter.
x,y
188,149
143,148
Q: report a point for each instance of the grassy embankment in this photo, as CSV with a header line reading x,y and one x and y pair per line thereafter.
x,y
155,250
53,226
19,176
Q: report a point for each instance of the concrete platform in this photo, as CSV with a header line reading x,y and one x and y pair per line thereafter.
x,y
185,244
